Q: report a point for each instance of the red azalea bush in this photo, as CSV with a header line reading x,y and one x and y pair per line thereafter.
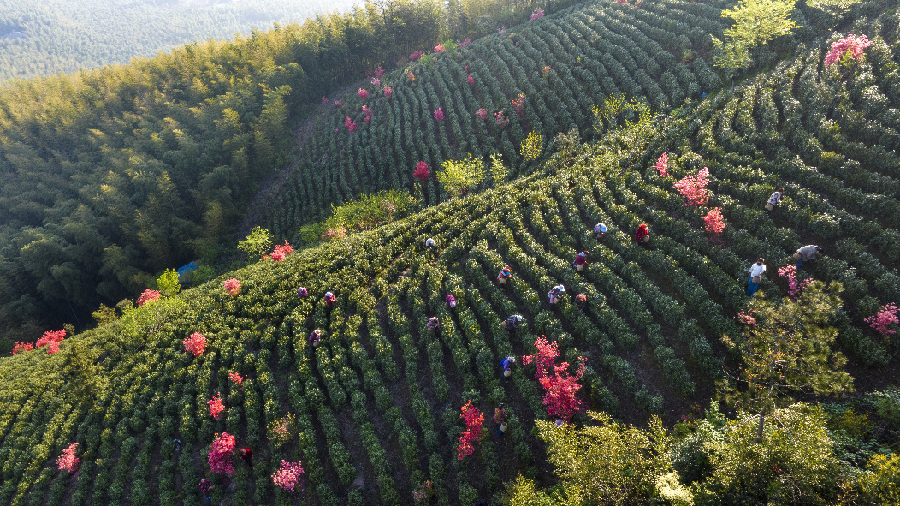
x,y
220,453
422,171
518,104
148,296
439,114
662,165
195,344
21,348
387,91
560,387
235,378
363,94
350,124
714,221
216,406
852,45
68,460
794,286
470,80
887,315
482,113
51,340
693,188
474,420
288,475
536,14
232,286
280,252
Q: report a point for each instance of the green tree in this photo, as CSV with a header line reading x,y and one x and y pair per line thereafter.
x,y
498,170
788,352
609,463
460,175
756,22
257,243
168,283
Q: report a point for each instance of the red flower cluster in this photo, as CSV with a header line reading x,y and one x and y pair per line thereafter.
x,y
794,287
216,406
220,453
387,91
693,188
470,80
714,220
482,113
194,344
421,173
559,388
21,348
288,475
518,104
236,378
379,72
350,124
853,44
416,55
280,252
232,286
474,420
148,296
536,14
51,340
887,315
662,165
439,114
363,94
68,460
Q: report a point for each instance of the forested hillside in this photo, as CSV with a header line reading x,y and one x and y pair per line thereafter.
x,y
64,36
110,176
382,405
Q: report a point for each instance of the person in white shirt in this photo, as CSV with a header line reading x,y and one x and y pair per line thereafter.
x,y
756,271
774,200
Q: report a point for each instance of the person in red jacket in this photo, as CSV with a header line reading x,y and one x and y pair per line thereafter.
x,y
642,235
246,455
329,299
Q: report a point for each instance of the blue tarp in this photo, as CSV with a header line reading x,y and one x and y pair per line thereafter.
x,y
184,270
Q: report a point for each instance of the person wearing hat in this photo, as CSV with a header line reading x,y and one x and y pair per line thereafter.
x,y
642,234
774,200
580,261
806,253
756,271
500,417
505,274
600,230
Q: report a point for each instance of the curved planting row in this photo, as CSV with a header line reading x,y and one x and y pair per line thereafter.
x,y
462,101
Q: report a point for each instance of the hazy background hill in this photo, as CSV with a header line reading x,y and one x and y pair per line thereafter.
x,y
48,37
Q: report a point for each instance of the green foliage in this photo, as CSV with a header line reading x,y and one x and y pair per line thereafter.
x,y
370,211
532,146
756,22
610,463
168,283
257,243
618,111
459,176
881,484
498,170
789,350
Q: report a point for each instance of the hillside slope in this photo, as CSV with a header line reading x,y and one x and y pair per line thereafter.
x,y
380,397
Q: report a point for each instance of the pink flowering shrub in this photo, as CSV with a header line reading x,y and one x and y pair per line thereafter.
x,y
501,119
335,233
621,1
21,348
416,55
560,387
714,221
439,48
439,114
350,124
789,271
195,344
422,171
474,420
68,460
471,81
387,91
232,286
324,100
368,112
216,406
376,82
379,72
281,251
423,492
288,475
545,71
220,453
887,315
536,14
518,104
148,296
236,378
852,46
363,94
51,340
746,318
662,165
338,103
482,113
693,188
